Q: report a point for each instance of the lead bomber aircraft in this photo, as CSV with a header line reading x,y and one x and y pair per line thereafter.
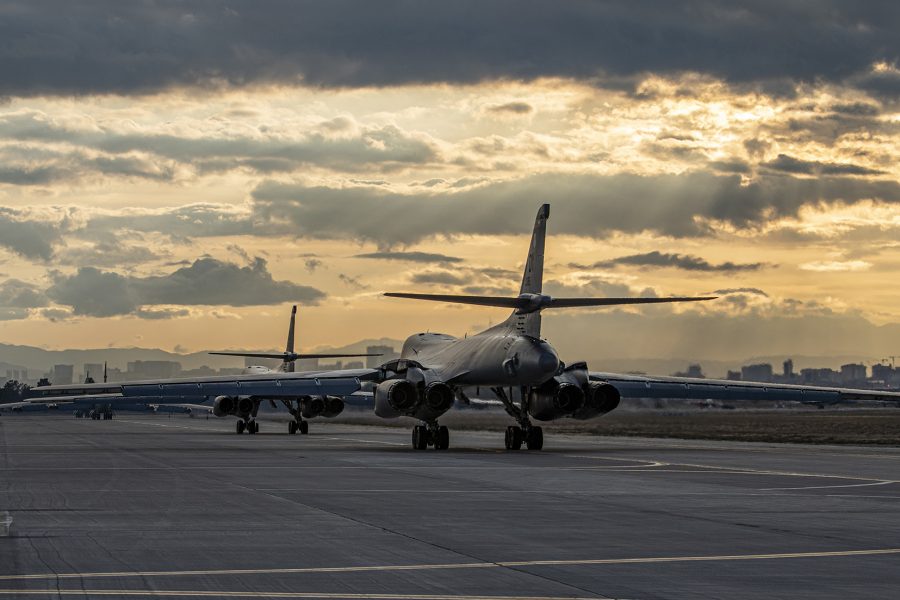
x,y
522,369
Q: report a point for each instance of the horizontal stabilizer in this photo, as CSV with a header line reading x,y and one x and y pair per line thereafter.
x,y
534,302
479,300
288,356
575,302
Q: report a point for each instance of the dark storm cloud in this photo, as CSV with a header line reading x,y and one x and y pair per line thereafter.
x,y
438,277
420,257
207,281
193,220
16,297
387,146
26,236
789,164
587,205
684,262
108,46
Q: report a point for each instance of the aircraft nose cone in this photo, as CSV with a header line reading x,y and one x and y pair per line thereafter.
x,y
548,362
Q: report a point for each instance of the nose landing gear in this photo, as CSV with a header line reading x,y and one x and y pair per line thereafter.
x,y
531,435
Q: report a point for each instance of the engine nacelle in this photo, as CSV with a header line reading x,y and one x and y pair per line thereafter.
x,y
600,398
312,406
395,397
438,398
223,405
333,406
555,401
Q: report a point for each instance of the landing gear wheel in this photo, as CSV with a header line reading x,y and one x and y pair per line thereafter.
x,y
535,438
253,427
419,437
239,427
513,437
304,427
443,438
292,427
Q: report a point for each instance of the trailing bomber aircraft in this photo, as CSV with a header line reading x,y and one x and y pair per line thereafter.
x,y
245,408
522,370
98,400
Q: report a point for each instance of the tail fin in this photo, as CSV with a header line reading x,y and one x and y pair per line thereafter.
x,y
533,277
289,347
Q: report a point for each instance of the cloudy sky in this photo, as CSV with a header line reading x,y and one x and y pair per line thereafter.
x,y
175,175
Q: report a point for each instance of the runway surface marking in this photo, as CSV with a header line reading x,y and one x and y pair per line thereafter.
x,y
448,566
312,595
740,470
5,522
827,487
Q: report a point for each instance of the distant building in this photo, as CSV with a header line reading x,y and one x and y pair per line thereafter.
x,y
693,371
62,374
153,369
733,376
201,371
354,364
853,372
387,353
883,373
761,372
788,369
820,376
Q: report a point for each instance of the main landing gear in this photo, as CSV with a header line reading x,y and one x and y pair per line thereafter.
x,y
301,426
430,434
531,435
250,426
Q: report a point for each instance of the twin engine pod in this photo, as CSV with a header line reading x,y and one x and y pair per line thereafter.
x,y
555,400
402,397
230,405
318,406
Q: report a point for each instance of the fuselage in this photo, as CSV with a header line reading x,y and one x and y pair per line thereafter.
x,y
496,357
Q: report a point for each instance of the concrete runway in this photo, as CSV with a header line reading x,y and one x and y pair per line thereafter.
x,y
154,506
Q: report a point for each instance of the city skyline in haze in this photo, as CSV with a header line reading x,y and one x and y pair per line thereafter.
x,y
182,194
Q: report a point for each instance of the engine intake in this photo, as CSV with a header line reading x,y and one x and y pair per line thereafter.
x,y
601,398
333,406
556,400
395,397
223,405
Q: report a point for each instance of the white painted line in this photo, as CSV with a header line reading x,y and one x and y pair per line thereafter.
x,y
449,566
5,522
311,595
827,487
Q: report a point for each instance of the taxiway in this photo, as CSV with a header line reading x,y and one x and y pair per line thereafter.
x,y
154,506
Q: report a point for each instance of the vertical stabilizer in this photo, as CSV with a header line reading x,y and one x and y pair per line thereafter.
x,y
289,347
533,278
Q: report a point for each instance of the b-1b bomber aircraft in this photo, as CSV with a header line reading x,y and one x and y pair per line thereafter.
x,y
511,359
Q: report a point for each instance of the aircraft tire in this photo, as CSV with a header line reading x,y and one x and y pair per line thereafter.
x,y
419,437
443,438
513,437
253,427
292,427
535,438
239,427
304,427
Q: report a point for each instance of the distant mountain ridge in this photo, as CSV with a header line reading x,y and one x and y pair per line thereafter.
x,y
39,359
